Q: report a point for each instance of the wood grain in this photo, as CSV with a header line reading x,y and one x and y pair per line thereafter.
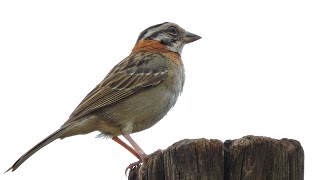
x,y
247,158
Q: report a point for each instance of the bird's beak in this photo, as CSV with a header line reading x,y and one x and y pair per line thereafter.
x,y
190,37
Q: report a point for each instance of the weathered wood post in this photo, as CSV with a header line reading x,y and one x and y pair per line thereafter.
x,y
247,158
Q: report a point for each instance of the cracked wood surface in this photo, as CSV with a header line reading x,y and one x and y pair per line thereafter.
x,y
247,158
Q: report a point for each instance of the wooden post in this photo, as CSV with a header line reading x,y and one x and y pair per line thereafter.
x,y
247,158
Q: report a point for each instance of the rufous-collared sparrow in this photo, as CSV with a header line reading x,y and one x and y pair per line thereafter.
x,y
136,93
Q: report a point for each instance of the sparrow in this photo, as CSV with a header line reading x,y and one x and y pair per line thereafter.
x,y
136,94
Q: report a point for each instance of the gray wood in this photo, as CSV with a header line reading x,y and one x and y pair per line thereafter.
x,y
247,158
253,157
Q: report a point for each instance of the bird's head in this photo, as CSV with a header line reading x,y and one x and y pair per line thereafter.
x,y
169,35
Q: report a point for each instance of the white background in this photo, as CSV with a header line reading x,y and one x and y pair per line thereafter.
x,y
254,72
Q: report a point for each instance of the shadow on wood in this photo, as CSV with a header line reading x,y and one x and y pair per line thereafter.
x,y
247,158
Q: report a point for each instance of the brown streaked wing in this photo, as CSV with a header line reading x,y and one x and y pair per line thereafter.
x,y
135,73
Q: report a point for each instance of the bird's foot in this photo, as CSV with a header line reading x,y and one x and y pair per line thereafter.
x,y
132,165
143,162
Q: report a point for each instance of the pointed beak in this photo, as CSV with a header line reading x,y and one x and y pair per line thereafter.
x,y
190,37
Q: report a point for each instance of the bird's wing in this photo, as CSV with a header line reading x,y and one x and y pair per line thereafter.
x,y
135,73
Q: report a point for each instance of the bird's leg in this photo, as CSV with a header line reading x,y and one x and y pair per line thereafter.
x,y
123,144
136,151
133,151
136,147
143,157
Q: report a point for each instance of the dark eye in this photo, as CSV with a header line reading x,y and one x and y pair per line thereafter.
x,y
172,30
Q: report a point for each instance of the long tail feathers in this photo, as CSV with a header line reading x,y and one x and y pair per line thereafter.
x,y
57,134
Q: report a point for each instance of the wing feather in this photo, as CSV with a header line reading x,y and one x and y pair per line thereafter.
x,y
135,73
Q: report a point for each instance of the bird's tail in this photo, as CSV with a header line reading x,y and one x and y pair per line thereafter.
x,y
57,134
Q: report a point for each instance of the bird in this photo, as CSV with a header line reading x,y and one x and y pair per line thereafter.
x,y
136,94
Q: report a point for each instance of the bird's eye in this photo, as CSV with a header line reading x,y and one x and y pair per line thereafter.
x,y
172,30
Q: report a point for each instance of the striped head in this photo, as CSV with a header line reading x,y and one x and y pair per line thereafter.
x,y
171,35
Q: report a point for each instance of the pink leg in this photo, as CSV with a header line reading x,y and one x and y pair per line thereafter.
x,y
143,157
123,144
136,147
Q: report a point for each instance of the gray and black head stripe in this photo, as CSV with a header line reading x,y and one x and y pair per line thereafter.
x,y
146,30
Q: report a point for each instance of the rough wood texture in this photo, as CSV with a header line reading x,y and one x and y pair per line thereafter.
x,y
247,158
252,157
